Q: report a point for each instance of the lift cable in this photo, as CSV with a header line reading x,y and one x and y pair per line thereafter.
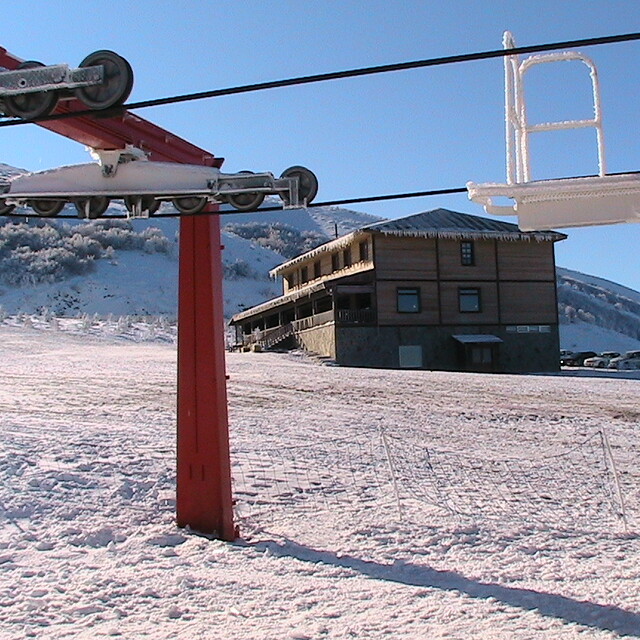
x,y
335,75
313,205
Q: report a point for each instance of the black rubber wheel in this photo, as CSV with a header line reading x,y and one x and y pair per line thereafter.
x,y
149,203
307,183
31,105
249,201
116,85
92,207
190,204
47,208
5,208
246,201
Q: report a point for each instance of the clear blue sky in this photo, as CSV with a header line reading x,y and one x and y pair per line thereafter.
x,y
404,131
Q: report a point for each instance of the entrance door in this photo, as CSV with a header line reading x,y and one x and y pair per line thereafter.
x,y
480,357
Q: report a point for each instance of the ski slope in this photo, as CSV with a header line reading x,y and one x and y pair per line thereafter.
x,y
88,547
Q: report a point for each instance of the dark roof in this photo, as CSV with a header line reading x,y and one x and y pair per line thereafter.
x,y
451,224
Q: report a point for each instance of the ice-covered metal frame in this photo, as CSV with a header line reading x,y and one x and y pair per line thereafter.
x,y
565,202
127,174
48,78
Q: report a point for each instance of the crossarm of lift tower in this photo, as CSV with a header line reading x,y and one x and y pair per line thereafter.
x,y
104,79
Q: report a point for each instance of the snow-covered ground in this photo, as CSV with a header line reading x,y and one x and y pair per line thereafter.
x,y
373,504
583,336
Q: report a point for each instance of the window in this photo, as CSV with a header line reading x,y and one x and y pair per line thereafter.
x,y
469,300
364,251
304,275
525,328
346,257
408,300
467,253
335,261
317,269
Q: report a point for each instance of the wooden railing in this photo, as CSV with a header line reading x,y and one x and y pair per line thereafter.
x,y
313,321
268,338
355,316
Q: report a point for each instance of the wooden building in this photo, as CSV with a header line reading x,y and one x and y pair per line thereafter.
x,y
435,290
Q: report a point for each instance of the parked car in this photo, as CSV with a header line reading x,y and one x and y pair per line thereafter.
x,y
601,361
576,359
630,360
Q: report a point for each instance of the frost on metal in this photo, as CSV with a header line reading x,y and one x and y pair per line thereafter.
x,y
566,202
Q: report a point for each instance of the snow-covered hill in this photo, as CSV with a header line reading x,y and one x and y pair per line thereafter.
x,y
7,171
597,314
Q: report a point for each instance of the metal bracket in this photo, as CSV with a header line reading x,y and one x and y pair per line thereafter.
x,y
291,188
49,78
136,210
109,159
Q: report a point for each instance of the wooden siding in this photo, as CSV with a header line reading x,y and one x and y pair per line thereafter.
x,y
326,266
452,269
405,258
526,261
488,301
528,302
387,297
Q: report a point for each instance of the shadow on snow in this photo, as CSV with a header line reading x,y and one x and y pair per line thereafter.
x,y
590,614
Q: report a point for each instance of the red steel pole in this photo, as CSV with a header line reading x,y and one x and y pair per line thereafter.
x,y
204,500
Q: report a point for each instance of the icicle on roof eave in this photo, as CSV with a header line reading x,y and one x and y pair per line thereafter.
x,y
263,307
338,243
510,236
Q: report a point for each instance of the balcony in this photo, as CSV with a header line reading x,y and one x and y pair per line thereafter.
x,y
355,316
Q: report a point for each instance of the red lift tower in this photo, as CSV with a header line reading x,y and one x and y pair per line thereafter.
x,y
204,500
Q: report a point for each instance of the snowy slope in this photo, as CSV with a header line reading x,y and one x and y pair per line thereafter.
x,y
583,336
596,314
7,171
602,283
321,219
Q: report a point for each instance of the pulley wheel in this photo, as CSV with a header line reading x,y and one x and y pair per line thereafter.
x,y
148,203
307,183
190,204
47,208
117,81
31,105
246,201
249,201
92,207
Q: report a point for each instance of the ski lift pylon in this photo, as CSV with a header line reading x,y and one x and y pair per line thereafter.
x,y
564,202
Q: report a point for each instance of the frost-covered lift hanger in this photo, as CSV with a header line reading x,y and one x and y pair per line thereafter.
x,y
143,185
564,202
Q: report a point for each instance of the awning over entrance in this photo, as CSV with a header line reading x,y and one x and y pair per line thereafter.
x,y
476,338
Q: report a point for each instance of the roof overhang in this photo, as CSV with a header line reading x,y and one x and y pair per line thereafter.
x,y
278,302
339,243
477,338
